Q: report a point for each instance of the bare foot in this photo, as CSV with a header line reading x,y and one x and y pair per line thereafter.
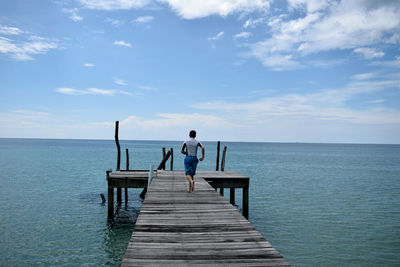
x,y
192,185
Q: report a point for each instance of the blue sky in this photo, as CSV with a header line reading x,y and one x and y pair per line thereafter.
x,y
238,70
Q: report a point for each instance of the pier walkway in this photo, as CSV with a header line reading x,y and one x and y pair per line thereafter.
x,y
176,228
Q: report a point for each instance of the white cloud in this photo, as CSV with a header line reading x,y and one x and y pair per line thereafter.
x,y
188,9
253,22
69,91
325,105
147,88
328,26
120,82
164,120
97,91
122,43
32,114
144,19
309,5
10,30
90,91
239,125
175,126
365,76
89,65
24,50
12,122
394,39
376,101
216,37
242,35
269,57
163,126
73,14
114,22
389,63
113,4
369,53
193,9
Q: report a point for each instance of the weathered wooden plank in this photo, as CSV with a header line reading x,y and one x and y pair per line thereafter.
x,y
176,228
205,262
210,253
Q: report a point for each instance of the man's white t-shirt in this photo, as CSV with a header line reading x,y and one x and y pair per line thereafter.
x,y
191,146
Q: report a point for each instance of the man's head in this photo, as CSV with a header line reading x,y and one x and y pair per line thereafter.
x,y
192,134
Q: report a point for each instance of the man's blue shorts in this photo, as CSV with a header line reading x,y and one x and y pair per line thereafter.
x,y
191,165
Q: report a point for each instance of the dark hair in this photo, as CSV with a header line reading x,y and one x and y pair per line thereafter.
x,y
192,133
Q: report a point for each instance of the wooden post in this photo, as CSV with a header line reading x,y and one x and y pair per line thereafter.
x,y
110,203
119,196
218,145
245,202
110,196
126,196
172,158
127,168
119,193
223,159
232,196
143,194
162,163
163,154
127,159
118,146
160,167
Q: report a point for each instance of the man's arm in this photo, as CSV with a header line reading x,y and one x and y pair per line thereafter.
x,y
202,153
183,149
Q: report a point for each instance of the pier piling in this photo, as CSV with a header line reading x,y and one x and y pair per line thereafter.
x,y
217,164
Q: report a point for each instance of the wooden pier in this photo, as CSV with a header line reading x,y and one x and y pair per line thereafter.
x,y
139,179
177,228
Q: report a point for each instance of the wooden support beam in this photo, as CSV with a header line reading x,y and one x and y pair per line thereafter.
x,y
127,159
218,146
118,146
162,164
110,196
126,196
223,159
119,196
172,159
110,203
143,194
245,202
163,156
127,168
232,196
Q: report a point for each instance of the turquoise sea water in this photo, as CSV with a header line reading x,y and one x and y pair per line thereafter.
x,y
317,204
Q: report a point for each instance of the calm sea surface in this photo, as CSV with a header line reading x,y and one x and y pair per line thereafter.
x,y
317,204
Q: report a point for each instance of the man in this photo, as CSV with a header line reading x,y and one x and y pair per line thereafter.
x,y
189,148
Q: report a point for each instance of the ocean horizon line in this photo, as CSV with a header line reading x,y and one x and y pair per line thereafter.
x,y
207,141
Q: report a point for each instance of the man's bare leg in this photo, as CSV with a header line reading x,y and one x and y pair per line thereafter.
x,y
190,180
